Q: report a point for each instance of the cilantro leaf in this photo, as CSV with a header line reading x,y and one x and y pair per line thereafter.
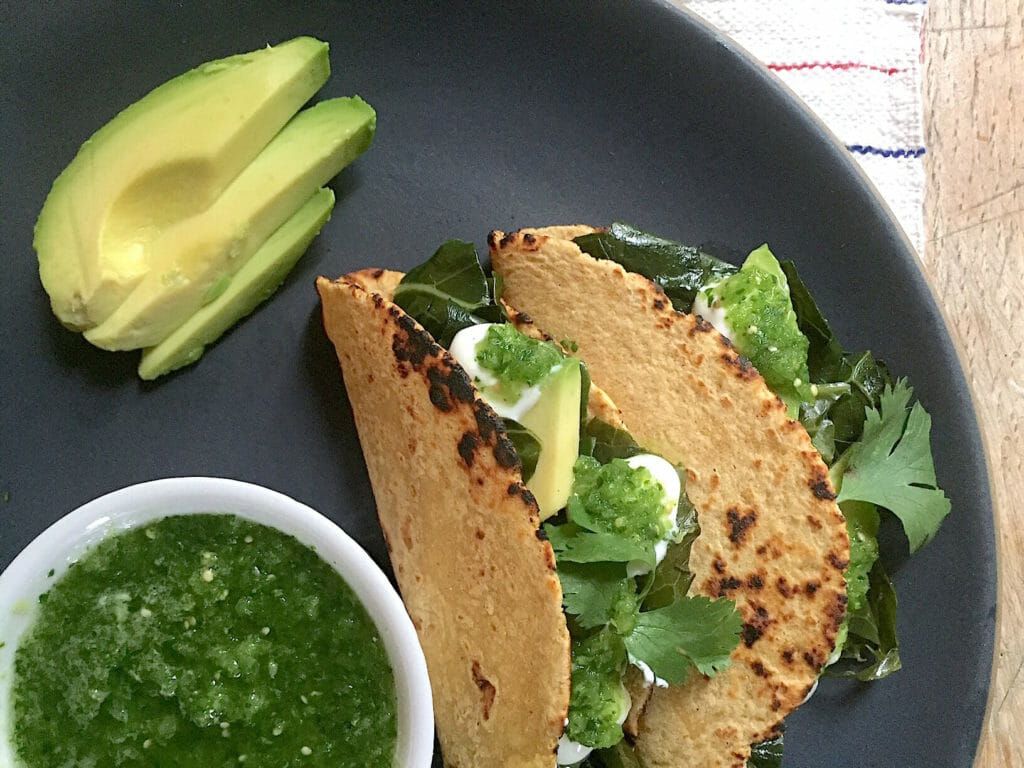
x,y
598,593
693,631
892,466
574,545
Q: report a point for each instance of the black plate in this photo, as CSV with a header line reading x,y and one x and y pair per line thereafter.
x,y
515,115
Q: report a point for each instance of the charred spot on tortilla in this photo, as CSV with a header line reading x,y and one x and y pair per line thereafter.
x,y
415,345
467,447
759,669
744,369
755,581
837,562
487,421
726,585
750,635
821,485
505,452
700,325
815,658
739,524
487,690
783,586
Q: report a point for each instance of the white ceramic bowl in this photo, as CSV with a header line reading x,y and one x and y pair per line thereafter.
x,y
64,542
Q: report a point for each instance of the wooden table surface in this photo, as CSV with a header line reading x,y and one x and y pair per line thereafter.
x,y
974,258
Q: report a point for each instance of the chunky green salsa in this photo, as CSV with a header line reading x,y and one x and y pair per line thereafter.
x,y
202,641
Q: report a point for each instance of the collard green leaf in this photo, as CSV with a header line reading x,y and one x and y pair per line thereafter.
x,y
691,632
824,353
679,269
443,292
871,651
766,754
672,578
605,442
619,756
527,447
892,466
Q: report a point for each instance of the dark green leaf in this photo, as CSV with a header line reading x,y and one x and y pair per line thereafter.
x,y
679,269
584,401
672,577
605,442
527,447
619,756
766,754
867,379
691,632
872,647
824,355
443,292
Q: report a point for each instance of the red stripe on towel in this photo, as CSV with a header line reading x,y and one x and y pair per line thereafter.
x,y
842,66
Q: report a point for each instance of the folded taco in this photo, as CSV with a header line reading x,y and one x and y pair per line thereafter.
x,y
686,586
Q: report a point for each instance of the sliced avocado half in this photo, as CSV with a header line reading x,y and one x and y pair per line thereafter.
x,y
163,159
555,420
254,283
195,255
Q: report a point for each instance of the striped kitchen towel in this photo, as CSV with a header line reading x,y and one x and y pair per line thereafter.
x,y
857,64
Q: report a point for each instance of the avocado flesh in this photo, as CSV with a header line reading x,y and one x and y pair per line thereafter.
x,y
555,420
166,157
192,256
253,284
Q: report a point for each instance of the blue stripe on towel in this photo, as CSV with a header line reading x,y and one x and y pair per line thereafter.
x,y
866,149
906,2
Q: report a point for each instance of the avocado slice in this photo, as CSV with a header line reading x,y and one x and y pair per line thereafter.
x,y
189,258
555,420
258,278
165,158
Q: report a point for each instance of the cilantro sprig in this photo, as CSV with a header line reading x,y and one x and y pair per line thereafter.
x,y
892,466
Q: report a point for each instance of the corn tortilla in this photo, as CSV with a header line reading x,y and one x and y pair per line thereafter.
x,y
461,530
772,536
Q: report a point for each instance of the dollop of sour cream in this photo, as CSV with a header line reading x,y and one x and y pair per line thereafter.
x,y
666,476
649,677
463,349
707,305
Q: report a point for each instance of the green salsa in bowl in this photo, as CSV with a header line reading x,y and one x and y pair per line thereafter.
x,y
206,622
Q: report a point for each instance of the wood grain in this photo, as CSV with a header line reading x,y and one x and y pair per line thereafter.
x,y
974,257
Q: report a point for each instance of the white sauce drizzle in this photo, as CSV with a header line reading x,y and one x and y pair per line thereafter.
x,y
714,312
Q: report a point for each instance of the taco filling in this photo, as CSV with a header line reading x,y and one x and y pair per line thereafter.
x,y
613,514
